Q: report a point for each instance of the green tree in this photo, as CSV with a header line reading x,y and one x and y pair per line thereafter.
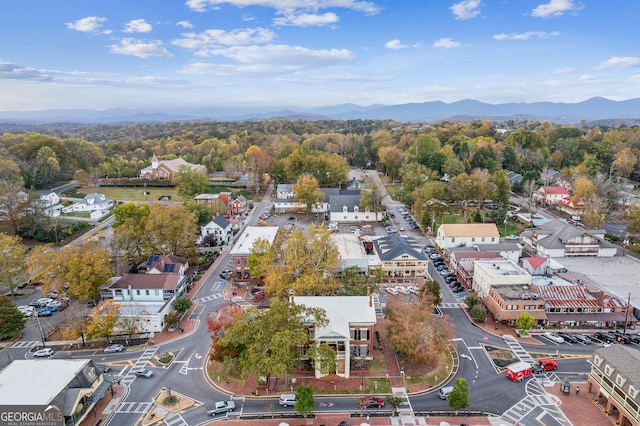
x,y
182,304
525,321
170,229
471,301
466,187
267,341
202,212
191,181
13,268
394,402
633,219
323,358
501,187
430,293
459,396
12,321
354,283
304,400
478,313
307,190
371,197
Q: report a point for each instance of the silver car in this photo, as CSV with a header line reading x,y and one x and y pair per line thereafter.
x,y
113,348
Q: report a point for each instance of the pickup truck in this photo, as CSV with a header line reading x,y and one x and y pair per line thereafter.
x,y
222,407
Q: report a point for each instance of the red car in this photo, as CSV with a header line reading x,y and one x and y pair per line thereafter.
x,y
545,365
371,402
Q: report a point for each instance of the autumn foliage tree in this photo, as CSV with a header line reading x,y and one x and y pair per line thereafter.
x,y
416,333
307,190
102,320
13,270
80,270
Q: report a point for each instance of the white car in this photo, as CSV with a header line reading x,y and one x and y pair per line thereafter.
x,y
44,353
512,237
553,337
392,291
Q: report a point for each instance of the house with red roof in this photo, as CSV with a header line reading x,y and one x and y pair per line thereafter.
x,y
550,195
535,265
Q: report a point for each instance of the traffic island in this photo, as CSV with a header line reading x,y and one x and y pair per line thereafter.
x,y
165,403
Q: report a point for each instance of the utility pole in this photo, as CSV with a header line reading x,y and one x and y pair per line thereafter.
x,y
626,313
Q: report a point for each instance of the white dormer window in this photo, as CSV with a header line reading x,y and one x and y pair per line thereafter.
x,y
620,381
633,392
345,209
608,370
597,361
356,209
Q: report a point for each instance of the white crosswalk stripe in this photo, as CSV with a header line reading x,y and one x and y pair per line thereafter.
x,y
25,344
134,407
208,298
449,305
175,419
139,365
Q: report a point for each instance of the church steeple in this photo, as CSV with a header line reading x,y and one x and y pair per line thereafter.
x,y
154,162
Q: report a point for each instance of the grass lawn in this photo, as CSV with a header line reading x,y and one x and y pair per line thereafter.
x,y
435,376
132,194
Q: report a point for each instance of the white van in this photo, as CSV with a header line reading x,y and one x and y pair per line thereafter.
x,y
445,391
287,399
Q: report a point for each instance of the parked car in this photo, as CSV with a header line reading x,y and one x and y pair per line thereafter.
x,y
568,337
606,337
435,256
49,308
44,353
620,337
458,289
45,313
512,237
633,337
583,339
114,348
371,402
553,337
146,373
258,297
222,407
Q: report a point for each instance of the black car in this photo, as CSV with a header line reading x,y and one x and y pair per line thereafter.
x,y
454,284
450,278
458,289
568,337
605,337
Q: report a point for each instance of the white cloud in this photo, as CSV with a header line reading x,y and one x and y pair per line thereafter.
x,y
289,5
211,39
395,45
526,36
587,77
90,24
140,49
12,71
137,26
184,24
619,62
447,43
563,71
307,20
466,9
554,8
270,59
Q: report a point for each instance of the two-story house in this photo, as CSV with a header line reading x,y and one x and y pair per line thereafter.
x,y
556,238
400,256
219,229
91,203
615,381
349,330
550,195
164,264
466,234
145,297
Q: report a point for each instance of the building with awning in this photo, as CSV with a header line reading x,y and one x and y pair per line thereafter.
x,y
70,387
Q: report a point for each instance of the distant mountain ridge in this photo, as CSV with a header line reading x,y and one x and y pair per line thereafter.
x,y
563,113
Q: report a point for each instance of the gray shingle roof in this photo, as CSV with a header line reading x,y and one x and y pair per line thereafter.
x,y
625,361
394,246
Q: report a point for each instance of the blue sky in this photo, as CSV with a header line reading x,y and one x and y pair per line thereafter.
x,y
102,54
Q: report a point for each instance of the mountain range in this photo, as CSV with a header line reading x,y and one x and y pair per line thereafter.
x,y
593,109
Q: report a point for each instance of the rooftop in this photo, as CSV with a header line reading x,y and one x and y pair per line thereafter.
x,y
500,267
252,233
21,382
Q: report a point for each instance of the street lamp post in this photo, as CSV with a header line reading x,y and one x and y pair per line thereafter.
x,y
362,373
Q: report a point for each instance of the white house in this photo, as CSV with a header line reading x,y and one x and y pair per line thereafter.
x,y
557,238
148,297
349,330
468,234
220,228
346,208
550,195
49,199
284,191
91,203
